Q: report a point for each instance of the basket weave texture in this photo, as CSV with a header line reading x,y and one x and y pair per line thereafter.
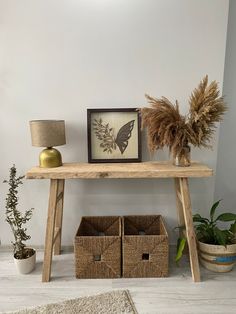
x,y
98,247
144,246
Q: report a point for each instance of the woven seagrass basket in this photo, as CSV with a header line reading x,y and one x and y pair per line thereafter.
x,y
144,246
98,247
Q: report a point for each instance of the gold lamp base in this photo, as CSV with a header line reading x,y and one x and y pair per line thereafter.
x,y
49,158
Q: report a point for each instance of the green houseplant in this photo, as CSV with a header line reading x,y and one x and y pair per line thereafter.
x,y
24,257
216,246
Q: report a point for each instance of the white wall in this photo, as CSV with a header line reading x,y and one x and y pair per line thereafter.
x,y
226,170
60,57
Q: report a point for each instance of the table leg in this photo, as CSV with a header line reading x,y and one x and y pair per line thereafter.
x,y
49,240
179,206
59,216
187,210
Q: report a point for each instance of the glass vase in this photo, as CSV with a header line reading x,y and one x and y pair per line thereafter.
x,y
183,158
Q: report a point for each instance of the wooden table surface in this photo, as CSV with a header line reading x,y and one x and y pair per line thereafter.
x,y
120,170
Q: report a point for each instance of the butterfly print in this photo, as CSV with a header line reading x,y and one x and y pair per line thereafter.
x,y
109,142
124,135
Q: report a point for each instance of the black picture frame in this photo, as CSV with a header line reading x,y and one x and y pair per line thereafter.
x,y
109,144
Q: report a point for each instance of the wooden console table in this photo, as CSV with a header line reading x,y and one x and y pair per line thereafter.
x,y
155,170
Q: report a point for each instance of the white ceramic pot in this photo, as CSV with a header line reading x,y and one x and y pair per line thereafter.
x,y
217,258
26,265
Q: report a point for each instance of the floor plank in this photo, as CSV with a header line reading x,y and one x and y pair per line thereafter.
x,y
175,294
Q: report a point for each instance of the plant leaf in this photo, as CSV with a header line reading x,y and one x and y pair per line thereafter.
x,y
220,236
213,209
199,218
233,228
226,217
180,247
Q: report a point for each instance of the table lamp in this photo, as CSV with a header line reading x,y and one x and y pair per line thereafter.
x,y
48,133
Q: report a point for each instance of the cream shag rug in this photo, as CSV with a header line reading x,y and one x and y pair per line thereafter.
x,y
115,302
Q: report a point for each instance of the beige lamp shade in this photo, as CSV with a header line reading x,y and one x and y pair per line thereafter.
x,y
47,133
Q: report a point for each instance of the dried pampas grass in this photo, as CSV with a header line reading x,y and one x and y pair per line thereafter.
x,y
167,127
206,109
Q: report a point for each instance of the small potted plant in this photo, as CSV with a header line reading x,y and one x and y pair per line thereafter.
x,y
216,246
24,257
167,127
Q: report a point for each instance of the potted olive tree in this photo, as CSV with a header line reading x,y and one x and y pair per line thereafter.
x,y
216,244
24,257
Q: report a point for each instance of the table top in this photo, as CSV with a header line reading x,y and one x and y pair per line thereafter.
x,y
120,170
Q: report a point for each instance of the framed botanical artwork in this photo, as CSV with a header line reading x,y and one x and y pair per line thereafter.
x,y
114,135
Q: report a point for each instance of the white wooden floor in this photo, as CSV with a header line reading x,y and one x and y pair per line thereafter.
x,y
175,294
